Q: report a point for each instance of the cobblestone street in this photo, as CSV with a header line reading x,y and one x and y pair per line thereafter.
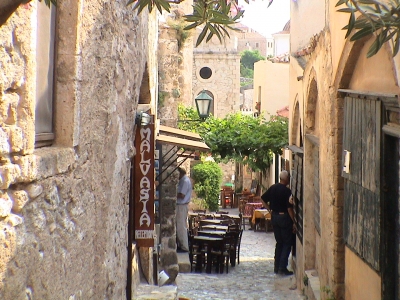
x,y
252,279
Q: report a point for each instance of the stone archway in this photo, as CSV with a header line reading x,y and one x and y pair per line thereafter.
x,y
295,137
311,105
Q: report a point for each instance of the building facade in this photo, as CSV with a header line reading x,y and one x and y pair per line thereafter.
x,y
249,39
69,97
341,129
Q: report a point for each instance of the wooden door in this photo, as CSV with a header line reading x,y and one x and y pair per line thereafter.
x,y
371,172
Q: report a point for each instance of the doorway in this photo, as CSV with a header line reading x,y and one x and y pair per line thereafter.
x,y
390,218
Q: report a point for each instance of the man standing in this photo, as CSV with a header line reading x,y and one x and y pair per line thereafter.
x,y
282,221
183,199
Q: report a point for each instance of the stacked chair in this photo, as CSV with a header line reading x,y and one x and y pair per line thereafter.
x,y
227,196
221,252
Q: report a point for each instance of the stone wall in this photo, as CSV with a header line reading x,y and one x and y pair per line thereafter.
x,y
64,208
224,84
175,86
251,40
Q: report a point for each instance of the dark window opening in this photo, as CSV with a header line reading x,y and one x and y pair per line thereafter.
x,y
44,86
205,73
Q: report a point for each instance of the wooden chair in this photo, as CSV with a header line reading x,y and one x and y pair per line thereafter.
x,y
257,199
238,245
233,227
227,196
243,200
235,241
196,256
220,254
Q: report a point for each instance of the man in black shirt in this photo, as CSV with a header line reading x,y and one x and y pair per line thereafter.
x,y
278,196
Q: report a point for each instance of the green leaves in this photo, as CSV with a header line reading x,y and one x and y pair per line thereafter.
x,y
248,58
375,18
208,178
50,2
241,138
150,4
215,17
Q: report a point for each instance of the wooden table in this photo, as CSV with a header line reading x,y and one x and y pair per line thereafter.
x,y
249,209
211,232
210,222
215,227
259,217
211,242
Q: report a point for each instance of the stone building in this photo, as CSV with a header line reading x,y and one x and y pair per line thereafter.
x,y
344,139
216,69
67,144
249,39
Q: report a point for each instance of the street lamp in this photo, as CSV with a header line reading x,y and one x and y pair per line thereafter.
x,y
142,119
203,105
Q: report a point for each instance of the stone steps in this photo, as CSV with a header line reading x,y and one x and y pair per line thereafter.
x,y
183,262
313,290
166,292
154,292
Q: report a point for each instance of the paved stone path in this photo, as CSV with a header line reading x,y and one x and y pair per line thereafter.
x,y
252,279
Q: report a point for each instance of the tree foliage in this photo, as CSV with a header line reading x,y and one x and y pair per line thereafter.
x,y
246,73
382,20
186,117
247,60
246,139
49,2
207,178
249,57
242,138
215,17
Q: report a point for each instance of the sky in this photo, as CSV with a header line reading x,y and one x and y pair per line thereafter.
x,y
266,20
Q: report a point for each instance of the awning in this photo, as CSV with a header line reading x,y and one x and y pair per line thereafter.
x,y
188,143
296,149
180,138
182,142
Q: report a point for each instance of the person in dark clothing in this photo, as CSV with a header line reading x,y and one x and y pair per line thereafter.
x,y
277,196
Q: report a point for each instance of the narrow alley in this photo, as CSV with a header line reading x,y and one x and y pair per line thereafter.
x,y
252,279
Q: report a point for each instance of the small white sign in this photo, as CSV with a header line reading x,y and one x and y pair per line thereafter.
x,y
346,165
144,234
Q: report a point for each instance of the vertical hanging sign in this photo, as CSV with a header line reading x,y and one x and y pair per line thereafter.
x,y
144,186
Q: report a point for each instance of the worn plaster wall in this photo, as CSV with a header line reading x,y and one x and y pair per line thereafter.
x,y
271,85
64,208
306,19
366,286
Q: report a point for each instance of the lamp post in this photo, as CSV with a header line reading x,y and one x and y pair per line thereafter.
x,y
142,119
203,105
